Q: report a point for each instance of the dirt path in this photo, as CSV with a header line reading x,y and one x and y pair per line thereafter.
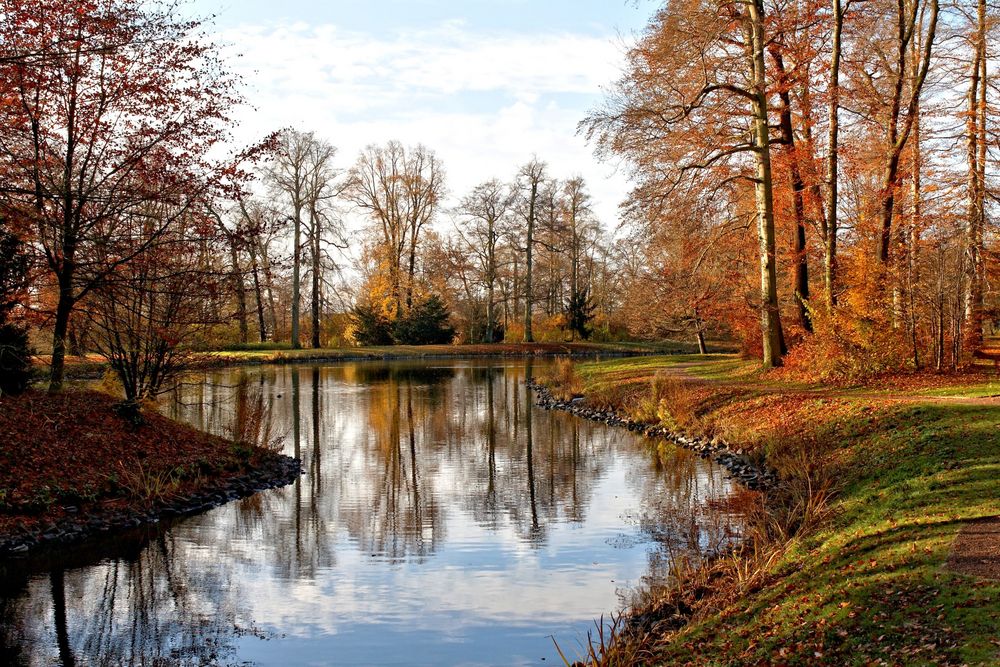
x,y
976,551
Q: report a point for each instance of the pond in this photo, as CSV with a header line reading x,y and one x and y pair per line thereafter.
x,y
442,519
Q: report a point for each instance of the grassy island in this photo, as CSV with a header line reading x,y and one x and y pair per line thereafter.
x,y
71,467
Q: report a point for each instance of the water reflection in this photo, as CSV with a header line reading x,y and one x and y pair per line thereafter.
x,y
442,519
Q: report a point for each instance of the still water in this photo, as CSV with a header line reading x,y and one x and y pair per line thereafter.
x,y
442,519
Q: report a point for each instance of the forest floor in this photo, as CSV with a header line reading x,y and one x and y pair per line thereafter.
x,y
69,462
880,545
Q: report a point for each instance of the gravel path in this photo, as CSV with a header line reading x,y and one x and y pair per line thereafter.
x,y
976,551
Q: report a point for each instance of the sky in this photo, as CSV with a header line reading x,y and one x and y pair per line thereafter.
x,y
486,84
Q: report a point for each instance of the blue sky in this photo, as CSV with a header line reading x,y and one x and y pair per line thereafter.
x,y
485,83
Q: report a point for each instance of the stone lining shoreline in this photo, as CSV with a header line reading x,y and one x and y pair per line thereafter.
x,y
94,522
739,467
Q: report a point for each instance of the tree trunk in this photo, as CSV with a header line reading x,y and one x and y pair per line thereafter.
x,y
491,325
976,144
269,285
700,331
258,294
801,279
63,310
913,266
296,262
316,280
411,271
241,293
830,228
529,247
897,136
770,316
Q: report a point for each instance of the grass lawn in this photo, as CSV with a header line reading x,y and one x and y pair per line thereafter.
x,y
869,583
266,354
94,365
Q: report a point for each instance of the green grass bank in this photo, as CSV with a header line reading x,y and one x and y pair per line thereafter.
x,y
860,556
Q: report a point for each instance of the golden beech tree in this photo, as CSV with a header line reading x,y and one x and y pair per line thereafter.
x,y
400,188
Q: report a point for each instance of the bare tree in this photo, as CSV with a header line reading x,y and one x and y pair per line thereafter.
x,y
486,211
291,175
529,182
400,189
147,309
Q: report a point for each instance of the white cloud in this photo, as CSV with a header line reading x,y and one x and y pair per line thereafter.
x,y
484,102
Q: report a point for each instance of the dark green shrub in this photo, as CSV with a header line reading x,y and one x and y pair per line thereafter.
x,y
370,327
427,324
13,272
15,359
15,355
580,311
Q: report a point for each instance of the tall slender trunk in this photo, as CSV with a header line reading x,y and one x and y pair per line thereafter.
x,y
269,286
67,267
830,228
529,248
316,279
64,309
296,263
773,339
976,144
258,294
236,275
913,265
491,324
898,134
801,279
411,270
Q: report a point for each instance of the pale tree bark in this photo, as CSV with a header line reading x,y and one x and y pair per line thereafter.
x,y
290,175
976,148
831,226
773,342
530,177
320,191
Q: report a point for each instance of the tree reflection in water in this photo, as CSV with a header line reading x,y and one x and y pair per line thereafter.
x,y
435,495
142,606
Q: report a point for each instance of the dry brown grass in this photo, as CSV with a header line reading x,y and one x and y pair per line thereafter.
x,y
561,379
